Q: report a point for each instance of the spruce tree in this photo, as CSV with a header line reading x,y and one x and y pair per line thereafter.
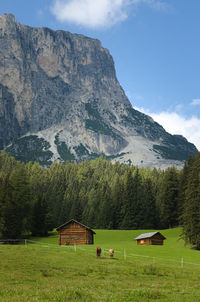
x,y
17,204
42,221
132,204
149,220
190,218
117,201
167,199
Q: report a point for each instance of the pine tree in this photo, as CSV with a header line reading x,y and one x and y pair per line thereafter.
x,y
133,198
117,201
54,188
17,204
183,180
190,218
91,209
105,217
149,206
42,221
167,199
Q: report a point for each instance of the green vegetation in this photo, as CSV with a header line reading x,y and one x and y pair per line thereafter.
x,y
63,150
190,214
110,157
169,153
42,272
96,123
34,200
31,148
98,194
92,109
98,126
81,151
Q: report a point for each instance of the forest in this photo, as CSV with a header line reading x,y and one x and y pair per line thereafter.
x,y
99,194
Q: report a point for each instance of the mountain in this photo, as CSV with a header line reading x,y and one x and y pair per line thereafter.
x,y
60,100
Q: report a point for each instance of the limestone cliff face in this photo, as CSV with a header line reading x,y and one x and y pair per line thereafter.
x,y
59,90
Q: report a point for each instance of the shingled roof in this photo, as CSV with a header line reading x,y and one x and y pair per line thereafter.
x,y
73,220
149,235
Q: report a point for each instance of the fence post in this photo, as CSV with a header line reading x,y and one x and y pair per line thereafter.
x,y
182,262
124,254
25,242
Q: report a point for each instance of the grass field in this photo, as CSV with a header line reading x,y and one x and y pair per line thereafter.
x,y
43,271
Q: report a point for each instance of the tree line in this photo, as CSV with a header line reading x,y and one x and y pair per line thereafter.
x,y
99,194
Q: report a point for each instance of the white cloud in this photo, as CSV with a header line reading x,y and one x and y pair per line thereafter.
x,y
98,13
90,13
195,102
174,123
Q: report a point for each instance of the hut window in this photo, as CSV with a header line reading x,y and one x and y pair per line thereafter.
x,y
142,241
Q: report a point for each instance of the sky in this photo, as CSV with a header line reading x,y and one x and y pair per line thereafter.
x,y
155,45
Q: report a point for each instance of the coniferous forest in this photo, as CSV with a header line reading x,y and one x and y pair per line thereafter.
x,y
99,194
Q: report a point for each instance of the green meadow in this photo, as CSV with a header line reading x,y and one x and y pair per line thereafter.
x,y
43,271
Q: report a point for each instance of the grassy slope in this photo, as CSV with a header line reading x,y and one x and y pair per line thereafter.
x,y
42,273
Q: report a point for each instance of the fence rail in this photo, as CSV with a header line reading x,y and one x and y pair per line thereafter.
x,y
121,253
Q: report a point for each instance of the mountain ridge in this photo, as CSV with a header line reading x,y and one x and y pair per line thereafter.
x,y
60,100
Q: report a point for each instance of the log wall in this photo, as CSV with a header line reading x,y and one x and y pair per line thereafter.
x,y
145,241
74,234
157,242
90,237
150,241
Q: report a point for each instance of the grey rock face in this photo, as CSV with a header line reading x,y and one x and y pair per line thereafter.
x,y
62,87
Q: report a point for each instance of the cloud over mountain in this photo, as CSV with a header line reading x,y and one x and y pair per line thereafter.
x,y
98,13
175,123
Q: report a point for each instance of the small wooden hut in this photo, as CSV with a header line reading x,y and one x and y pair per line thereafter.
x,y
74,233
154,238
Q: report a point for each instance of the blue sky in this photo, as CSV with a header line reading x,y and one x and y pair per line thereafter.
x,y
155,45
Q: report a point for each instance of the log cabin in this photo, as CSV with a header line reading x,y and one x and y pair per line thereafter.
x,y
154,238
75,233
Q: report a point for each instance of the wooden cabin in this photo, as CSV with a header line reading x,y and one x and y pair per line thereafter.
x,y
154,238
74,233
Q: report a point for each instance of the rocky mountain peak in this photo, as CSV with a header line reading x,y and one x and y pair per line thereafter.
x,y
60,100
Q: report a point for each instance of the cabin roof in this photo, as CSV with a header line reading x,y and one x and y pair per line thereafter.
x,y
73,220
149,235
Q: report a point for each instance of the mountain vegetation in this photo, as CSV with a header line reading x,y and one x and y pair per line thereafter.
x,y
98,194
